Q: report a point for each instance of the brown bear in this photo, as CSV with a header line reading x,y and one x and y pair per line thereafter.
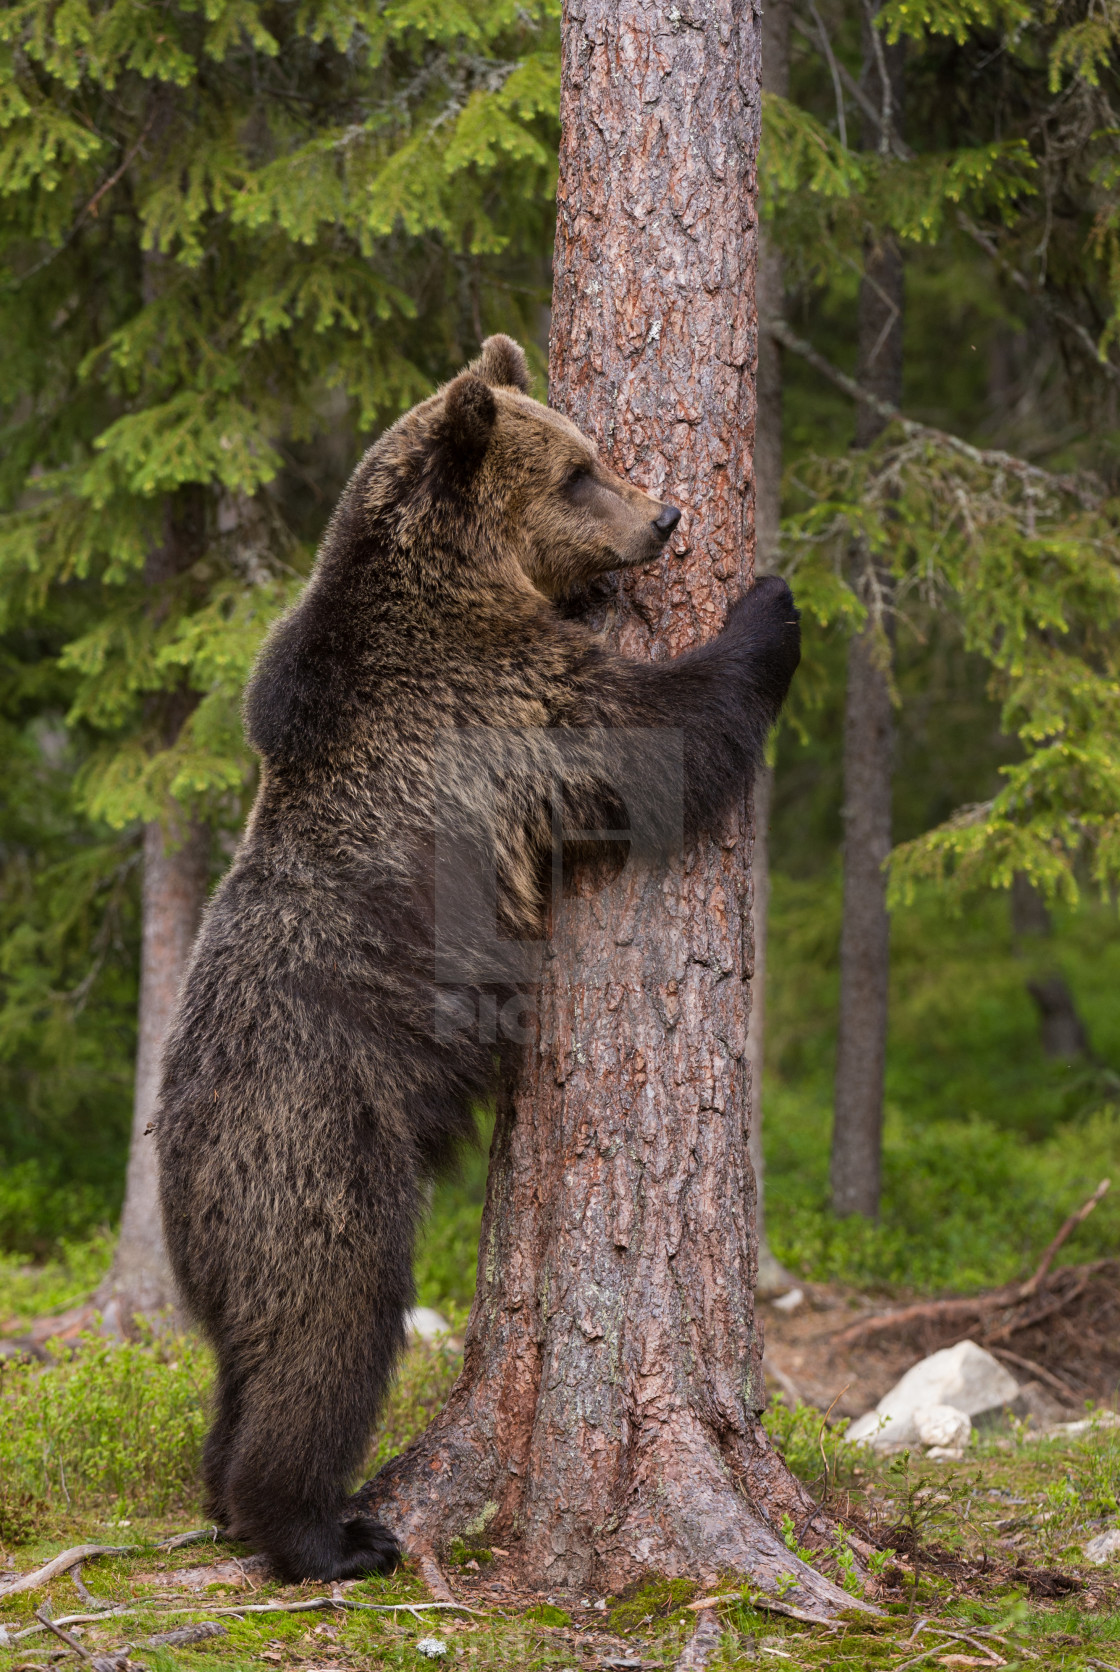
x,y
312,1083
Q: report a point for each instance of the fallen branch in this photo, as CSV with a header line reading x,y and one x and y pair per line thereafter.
x,y
246,1608
1071,1224
115,1661
1035,1369
1038,1314
345,1603
75,1620
60,1564
201,1535
702,1645
978,1306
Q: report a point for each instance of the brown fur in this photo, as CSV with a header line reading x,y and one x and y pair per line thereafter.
x,y
307,1090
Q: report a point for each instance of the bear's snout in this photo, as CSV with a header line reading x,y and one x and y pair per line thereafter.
x,y
667,521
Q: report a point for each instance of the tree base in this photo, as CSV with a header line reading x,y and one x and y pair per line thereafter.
x,y
686,1512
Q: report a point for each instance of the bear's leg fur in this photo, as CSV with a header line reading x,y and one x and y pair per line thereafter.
x,y
303,1425
302,1244
219,1444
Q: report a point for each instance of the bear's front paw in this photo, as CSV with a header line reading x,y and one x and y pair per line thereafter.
x,y
766,626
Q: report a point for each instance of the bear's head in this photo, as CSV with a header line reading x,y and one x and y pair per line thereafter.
x,y
501,479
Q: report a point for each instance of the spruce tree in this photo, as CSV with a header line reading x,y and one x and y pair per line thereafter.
x,y
1006,177
234,240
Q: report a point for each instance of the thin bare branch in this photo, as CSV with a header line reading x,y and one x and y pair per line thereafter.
x,y
1082,489
826,44
61,1563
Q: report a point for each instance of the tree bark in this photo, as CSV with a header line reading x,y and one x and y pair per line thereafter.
x,y
773,1278
176,871
869,731
606,1423
174,892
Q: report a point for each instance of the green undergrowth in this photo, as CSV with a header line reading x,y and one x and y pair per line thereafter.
x,y
116,1428
987,1144
31,1288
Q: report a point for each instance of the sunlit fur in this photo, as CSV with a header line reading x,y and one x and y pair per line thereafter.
x,y
306,1095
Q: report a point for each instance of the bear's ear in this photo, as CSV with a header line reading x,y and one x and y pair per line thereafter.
x,y
502,363
469,411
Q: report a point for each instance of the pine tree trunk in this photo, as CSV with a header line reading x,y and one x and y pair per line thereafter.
x,y
176,869
868,742
606,1422
773,1277
173,896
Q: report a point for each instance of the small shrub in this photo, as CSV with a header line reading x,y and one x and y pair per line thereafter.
x,y
117,1423
814,1452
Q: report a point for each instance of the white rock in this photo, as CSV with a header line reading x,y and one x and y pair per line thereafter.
x,y
424,1325
1102,1548
432,1648
1099,1419
964,1376
943,1426
789,1302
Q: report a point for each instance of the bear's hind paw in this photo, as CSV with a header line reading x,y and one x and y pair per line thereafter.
x,y
367,1547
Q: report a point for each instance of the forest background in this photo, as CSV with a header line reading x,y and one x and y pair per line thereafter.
x,y
236,240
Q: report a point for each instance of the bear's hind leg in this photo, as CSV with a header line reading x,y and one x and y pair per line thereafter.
x,y
303,1430
220,1441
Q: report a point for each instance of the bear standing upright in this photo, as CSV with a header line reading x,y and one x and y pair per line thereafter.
x,y
311,1083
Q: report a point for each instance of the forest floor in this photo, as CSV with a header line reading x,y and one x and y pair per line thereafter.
x,y
841,1350
1001,1580
978,1563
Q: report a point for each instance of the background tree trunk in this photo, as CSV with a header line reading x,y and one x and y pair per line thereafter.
x,y
606,1422
1063,1034
773,1277
176,873
869,729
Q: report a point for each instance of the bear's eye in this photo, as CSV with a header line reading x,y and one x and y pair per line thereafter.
x,y
578,474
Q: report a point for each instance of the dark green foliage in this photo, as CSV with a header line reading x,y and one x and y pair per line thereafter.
x,y
234,241
987,1145
1011,259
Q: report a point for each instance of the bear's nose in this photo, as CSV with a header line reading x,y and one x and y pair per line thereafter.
x,y
667,521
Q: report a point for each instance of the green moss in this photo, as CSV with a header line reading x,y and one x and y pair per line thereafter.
x,y
650,1600
546,1615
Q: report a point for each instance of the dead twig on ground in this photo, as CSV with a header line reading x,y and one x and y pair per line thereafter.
x,y
61,1564
1010,1296
201,1535
702,1645
77,1620
308,1606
